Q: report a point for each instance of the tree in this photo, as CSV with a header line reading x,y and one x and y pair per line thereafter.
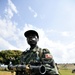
x,y
10,55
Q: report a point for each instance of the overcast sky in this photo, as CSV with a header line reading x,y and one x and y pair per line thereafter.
x,y
54,20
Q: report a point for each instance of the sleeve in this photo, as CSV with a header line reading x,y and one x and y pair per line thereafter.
x,y
23,57
48,60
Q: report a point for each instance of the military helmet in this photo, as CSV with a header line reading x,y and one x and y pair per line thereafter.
x,y
27,33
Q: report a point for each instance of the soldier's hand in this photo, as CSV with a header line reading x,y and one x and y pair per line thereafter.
x,y
27,69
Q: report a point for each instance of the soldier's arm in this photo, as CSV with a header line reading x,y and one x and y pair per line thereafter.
x,y
22,58
47,59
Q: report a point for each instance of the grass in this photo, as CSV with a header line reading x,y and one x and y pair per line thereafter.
x,y
66,72
6,73
62,72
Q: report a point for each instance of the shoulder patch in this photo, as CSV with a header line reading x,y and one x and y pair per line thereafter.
x,y
48,56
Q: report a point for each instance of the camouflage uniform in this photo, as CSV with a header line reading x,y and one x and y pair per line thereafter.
x,y
41,56
36,56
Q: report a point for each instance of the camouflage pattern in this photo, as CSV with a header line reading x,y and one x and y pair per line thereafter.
x,y
39,56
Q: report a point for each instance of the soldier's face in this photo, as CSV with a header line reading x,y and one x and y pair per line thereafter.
x,y
32,39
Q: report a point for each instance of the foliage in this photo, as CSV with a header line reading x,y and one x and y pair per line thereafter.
x,y
10,55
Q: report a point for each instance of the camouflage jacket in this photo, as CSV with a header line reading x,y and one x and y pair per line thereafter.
x,y
39,56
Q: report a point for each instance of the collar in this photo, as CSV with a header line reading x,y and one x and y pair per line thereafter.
x,y
34,49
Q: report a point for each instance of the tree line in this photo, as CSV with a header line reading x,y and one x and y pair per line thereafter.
x,y
7,56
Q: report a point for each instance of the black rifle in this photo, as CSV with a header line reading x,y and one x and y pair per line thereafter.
x,y
38,69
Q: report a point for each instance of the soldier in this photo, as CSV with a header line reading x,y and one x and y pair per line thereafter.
x,y
37,56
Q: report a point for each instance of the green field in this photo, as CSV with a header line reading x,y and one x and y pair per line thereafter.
x,y
66,72
62,72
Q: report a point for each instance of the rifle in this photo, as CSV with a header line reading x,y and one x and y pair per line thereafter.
x,y
38,69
